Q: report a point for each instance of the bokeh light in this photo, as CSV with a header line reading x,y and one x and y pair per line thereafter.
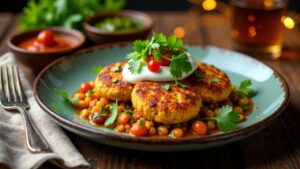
x,y
209,5
179,32
288,22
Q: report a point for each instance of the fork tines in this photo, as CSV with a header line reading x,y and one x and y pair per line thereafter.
x,y
10,84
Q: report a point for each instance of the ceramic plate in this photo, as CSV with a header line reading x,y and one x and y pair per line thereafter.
x,y
68,73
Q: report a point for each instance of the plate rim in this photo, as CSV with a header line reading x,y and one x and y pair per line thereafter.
x,y
257,126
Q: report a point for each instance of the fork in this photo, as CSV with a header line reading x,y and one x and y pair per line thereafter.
x,y
12,97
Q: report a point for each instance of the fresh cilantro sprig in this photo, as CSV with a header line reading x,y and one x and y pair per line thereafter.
x,y
245,88
113,116
226,118
66,97
166,87
156,46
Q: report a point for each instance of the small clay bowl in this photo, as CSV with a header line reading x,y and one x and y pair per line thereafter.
x,y
99,37
39,60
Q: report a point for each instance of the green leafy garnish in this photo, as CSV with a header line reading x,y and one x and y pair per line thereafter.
x,y
245,88
114,112
95,116
215,80
244,107
226,118
156,46
115,80
142,123
116,69
198,74
89,93
166,87
97,69
178,83
66,13
66,97
129,111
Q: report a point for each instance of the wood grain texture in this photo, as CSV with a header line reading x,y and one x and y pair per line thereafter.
x,y
277,146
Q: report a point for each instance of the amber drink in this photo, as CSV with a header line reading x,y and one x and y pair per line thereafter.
x,y
257,26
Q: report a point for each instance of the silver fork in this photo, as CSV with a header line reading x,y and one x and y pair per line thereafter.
x,y
12,97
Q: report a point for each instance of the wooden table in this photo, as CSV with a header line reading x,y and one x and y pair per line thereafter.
x,y
277,146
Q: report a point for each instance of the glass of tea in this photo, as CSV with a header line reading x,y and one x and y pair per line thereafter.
x,y
256,26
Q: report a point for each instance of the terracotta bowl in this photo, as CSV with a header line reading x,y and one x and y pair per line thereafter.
x,y
99,37
38,60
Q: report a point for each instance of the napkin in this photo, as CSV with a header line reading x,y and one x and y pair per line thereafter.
x,y
13,149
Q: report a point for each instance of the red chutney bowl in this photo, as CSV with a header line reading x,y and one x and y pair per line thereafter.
x,y
37,60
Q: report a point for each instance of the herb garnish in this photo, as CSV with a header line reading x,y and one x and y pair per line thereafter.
x,y
115,80
114,112
198,74
157,44
245,88
142,123
215,80
66,97
178,83
116,69
226,118
129,111
97,69
166,87
89,93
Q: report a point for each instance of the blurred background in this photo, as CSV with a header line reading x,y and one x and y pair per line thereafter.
x,y
144,5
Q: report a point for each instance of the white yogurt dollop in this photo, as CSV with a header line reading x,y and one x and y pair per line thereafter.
x,y
163,75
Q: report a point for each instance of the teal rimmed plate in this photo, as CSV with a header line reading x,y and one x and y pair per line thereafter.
x,y
69,72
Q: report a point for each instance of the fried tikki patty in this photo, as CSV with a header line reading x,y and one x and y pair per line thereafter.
x,y
172,106
110,84
212,84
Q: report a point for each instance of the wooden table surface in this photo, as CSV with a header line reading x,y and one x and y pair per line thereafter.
x,y
277,146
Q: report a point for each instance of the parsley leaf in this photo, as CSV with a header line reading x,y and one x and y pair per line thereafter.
x,y
116,69
160,38
89,93
97,69
174,42
157,55
113,116
66,97
180,64
166,87
135,66
245,88
140,45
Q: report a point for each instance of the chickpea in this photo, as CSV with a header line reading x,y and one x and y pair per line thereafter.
x,y
136,116
96,95
85,113
127,127
79,95
209,113
120,128
82,104
96,108
149,124
103,101
92,83
152,131
242,117
87,100
238,109
121,108
244,101
162,130
211,125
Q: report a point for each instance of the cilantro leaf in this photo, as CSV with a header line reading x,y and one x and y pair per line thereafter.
x,y
166,87
178,83
157,56
113,116
142,123
66,97
180,64
227,118
140,45
97,69
245,88
174,42
116,69
215,80
135,66
89,93
129,111
160,38
198,74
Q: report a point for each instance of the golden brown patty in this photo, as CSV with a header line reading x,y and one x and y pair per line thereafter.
x,y
172,106
212,84
110,85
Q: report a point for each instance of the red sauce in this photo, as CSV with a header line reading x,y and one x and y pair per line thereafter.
x,y
33,44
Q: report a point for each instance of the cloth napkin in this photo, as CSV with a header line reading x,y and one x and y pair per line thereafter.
x,y
13,150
